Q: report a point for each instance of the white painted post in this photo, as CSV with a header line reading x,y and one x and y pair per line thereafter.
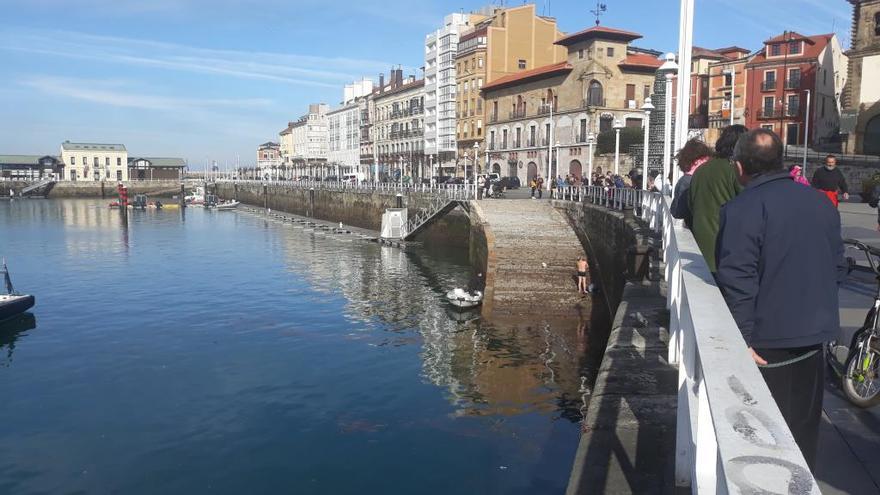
x,y
647,107
685,46
617,127
806,135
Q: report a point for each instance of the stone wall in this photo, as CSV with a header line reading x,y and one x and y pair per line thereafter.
x,y
99,189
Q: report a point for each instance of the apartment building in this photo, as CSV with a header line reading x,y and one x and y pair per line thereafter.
x,y
602,79
398,127
779,77
343,139
309,137
269,161
506,41
727,90
441,48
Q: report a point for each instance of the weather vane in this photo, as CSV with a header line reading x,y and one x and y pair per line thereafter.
x,y
600,9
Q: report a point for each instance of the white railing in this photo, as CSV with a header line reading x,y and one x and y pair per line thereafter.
x,y
730,435
452,192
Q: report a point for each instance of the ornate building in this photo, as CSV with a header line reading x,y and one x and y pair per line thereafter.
x,y
398,127
602,80
861,98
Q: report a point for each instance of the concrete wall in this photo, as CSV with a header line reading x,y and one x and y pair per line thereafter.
x,y
99,189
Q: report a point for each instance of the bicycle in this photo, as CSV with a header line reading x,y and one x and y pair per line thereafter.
x,y
860,372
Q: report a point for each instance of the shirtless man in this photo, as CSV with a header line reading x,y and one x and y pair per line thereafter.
x,y
582,275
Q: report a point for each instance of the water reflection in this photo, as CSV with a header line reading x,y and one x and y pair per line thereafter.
x,y
10,331
486,368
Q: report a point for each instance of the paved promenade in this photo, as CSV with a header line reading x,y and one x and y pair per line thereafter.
x,y
850,437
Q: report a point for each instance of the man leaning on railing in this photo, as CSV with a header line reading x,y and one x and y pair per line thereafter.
x,y
780,260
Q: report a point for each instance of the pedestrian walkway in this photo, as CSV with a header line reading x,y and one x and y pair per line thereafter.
x,y
531,266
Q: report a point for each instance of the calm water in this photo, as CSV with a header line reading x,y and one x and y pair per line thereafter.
x,y
221,352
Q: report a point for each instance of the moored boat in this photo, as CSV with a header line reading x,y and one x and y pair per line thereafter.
x,y
227,205
12,303
463,299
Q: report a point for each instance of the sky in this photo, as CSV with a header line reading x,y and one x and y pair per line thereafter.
x,y
209,80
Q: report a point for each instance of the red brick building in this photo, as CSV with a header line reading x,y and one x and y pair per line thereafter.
x,y
778,79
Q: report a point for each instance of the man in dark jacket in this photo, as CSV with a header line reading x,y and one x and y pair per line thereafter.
x,y
780,260
830,180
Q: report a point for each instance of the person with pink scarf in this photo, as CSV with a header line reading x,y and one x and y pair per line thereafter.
x,y
795,172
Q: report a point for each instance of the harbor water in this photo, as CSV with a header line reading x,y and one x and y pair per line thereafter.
x,y
226,352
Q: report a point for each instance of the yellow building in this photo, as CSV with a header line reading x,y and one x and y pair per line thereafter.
x,y
504,42
94,161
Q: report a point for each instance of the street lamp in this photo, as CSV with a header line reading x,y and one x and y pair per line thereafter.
x,y
732,74
591,140
476,155
669,67
617,127
647,107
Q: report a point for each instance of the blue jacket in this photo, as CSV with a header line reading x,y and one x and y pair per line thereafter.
x,y
780,259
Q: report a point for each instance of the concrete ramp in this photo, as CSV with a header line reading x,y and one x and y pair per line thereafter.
x,y
531,259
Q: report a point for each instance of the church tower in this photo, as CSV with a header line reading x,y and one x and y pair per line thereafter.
x,y
861,98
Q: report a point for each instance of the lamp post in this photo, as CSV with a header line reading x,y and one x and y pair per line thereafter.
x,y
647,107
670,68
617,127
550,142
591,140
732,73
476,156
806,134
685,47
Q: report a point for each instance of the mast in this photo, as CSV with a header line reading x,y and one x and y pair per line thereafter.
x,y
6,279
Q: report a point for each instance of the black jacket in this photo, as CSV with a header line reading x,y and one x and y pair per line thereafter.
x,y
829,180
780,260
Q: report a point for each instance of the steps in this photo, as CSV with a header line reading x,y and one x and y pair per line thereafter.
x,y
39,187
532,264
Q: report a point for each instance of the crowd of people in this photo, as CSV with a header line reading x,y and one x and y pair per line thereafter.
x,y
772,242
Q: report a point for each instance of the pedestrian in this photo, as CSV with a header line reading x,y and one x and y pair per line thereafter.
x,y
693,155
480,181
830,180
533,184
553,185
582,269
540,186
795,172
487,186
776,240
713,185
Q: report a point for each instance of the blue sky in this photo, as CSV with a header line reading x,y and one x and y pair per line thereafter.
x,y
212,79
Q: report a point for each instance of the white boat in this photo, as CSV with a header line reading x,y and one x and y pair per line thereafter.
x,y
195,197
463,299
227,205
12,303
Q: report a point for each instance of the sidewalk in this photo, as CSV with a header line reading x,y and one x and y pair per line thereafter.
x,y
849,436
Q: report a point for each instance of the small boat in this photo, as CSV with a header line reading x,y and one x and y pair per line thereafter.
x,y
227,205
463,299
12,303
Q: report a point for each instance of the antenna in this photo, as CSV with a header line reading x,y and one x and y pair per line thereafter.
x,y
600,10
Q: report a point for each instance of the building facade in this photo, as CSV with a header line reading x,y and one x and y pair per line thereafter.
x,y
285,145
398,127
504,42
343,139
94,161
156,168
727,90
31,167
441,48
602,80
269,161
778,79
309,137
862,94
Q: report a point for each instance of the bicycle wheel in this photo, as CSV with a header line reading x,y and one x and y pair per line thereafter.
x,y
861,381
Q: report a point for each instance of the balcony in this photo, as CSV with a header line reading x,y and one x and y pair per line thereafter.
x,y
545,109
531,143
793,111
580,137
493,118
504,144
518,114
768,85
492,146
793,83
594,102
768,113
517,143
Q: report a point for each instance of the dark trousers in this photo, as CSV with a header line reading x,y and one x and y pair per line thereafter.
x,y
797,389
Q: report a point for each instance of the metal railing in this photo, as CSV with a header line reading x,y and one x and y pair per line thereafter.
x,y
451,192
768,85
730,435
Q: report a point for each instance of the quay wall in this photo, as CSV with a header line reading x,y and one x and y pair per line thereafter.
x,y
98,189
356,208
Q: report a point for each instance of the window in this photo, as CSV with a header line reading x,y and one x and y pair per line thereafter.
x,y
794,79
630,96
775,50
504,138
647,91
479,127
465,65
518,142
73,175
610,51
532,132
770,76
594,94
582,132
491,140
521,64
118,161
466,85
546,134
95,161
119,175
728,79
769,103
794,47
793,106
480,82
85,161
72,160
479,105
581,54
480,62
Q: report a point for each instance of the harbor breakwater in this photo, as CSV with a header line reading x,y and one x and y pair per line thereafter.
x,y
98,189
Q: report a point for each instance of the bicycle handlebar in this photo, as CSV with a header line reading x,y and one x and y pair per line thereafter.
x,y
870,252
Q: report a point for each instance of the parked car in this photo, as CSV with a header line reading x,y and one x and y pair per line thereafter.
x,y
455,180
512,182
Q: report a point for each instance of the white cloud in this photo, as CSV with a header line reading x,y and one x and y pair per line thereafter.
x,y
294,69
113,93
